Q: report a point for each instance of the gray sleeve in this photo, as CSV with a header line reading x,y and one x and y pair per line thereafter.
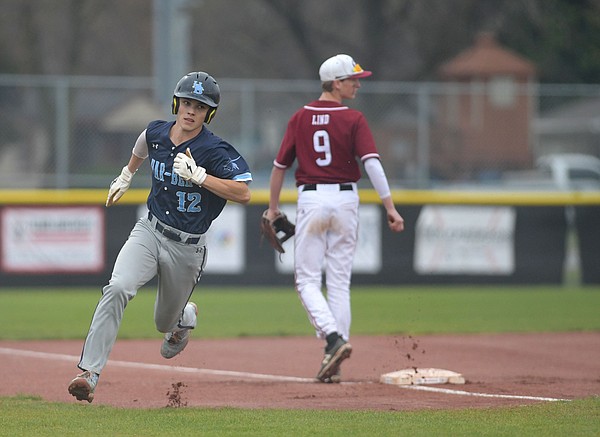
x,y
140,149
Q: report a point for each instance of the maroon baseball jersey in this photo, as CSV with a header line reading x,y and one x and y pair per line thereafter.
x,y
326,138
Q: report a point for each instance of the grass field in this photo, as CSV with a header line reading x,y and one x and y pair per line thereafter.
x,y
26,416
226,312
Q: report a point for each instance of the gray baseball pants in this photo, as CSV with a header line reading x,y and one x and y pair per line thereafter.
x,y
145,254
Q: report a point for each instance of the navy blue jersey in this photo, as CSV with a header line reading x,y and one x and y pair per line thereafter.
x,y
179,203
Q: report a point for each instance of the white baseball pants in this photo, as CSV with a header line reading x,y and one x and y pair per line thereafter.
x,y
325,241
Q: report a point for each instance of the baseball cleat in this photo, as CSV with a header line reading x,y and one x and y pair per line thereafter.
x,y
83,386
335,378
332,360
175,342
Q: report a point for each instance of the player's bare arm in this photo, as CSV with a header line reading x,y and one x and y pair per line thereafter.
x,y
122,182
275,185
235,191
135,162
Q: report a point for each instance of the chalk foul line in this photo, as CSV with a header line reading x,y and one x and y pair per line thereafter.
x,y
249,375
162,367
481,395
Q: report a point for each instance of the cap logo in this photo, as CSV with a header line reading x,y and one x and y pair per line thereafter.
x,y
357,68
197,87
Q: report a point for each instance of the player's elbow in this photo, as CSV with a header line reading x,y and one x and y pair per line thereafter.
x,y
245,197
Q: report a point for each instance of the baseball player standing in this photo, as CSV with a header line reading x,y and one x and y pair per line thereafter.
x,y
194,174
326,138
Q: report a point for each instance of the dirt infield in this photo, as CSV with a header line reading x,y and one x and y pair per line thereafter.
x,y
507,369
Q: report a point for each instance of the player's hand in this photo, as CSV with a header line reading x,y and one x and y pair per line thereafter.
x,y
186,168
395,221
118,186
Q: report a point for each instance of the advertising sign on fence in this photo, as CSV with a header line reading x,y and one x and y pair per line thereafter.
x,y
226,241
465,240
52,240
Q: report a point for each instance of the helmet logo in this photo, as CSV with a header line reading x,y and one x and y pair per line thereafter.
x,y
198,88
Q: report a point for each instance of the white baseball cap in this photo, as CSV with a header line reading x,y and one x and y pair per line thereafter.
x,y
340,67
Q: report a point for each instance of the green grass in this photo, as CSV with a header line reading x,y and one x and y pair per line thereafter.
x,y
228,312
26,416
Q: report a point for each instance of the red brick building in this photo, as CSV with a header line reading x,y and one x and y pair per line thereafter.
x,y
485,114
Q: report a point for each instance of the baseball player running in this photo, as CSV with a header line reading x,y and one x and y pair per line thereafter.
x,y
194,174
326,137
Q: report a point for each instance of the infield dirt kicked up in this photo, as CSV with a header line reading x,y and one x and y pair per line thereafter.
x,y
278,372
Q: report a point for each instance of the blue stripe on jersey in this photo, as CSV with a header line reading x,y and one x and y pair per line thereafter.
x,y
246,177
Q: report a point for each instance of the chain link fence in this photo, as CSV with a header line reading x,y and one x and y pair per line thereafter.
x,y
77,132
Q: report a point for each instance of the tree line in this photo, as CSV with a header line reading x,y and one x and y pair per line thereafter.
x,y
404,40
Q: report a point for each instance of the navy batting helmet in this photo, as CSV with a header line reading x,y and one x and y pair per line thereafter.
x,y
198,86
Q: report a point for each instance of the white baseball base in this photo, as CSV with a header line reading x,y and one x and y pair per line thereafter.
x,y
414,376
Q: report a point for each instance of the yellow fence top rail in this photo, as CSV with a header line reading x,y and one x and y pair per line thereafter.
x,y
261,196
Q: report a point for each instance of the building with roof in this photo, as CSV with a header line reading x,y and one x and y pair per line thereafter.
x,y
484,123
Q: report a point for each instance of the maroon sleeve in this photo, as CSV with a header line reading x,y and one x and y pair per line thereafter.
x,y
364,142
287,151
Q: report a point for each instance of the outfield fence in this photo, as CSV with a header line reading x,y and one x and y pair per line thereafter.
x,y
68,237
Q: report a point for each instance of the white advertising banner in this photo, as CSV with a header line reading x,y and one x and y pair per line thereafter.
x,y
476,240
367,258
226,242
52,240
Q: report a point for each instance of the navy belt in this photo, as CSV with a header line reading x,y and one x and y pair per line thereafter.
x,y
171,235
313,187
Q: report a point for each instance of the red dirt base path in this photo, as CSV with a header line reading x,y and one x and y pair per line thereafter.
x,y
500,370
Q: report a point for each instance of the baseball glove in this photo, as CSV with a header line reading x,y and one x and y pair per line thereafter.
x,y
277,231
